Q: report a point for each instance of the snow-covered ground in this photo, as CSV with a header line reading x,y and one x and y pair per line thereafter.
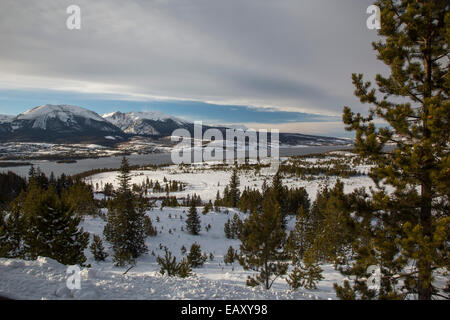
x,y
46,279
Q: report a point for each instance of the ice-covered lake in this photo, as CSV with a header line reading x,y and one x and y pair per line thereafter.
x,y
155,158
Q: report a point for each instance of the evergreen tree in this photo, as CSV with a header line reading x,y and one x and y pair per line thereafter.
x,y
81,198
10,187
234,192
217,202
334,231
97,249
170,266
195,257
193,224
53,228
15,227
227,229
32,172
302,237
262,244
412,222
236,227
306,272
4,246
125,228
233,228
226,197
124,176
230,256
150,230
280,192
108,189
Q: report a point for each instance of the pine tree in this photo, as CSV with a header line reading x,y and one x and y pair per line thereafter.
x,y
193,224
31,172
414,101
236,227
170,266
4,246
15,227
124,176
234,192
334,231
217,202
53,228
108,189
10,187
81,198
230,256
306,273
302,237
97,249
125,228
195,257
280,192
263,244
227,229
205,209
150,230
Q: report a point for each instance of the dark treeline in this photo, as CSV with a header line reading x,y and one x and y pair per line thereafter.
x,y
334,167
41,216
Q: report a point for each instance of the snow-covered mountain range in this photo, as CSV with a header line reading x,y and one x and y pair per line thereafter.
x,y
66,124
145,122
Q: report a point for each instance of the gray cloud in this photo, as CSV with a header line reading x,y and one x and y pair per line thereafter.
x,y
289,54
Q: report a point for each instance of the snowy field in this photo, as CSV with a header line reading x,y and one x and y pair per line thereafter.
x,y
46,279
205,180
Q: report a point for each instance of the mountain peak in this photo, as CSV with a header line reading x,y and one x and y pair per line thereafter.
x,y
142,115
41,114
144,122
50,123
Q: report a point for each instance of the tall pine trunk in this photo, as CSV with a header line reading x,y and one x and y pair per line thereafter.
x,y
424,289
425,272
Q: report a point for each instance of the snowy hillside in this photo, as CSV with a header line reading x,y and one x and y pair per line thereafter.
x,y
46,278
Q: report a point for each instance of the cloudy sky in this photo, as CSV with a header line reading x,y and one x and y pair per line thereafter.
x,y
265,63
